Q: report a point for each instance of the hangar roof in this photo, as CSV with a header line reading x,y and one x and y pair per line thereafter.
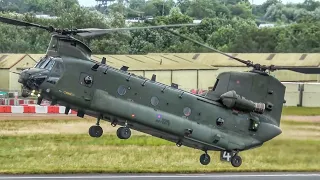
x,y
144,62
183,61
7,61
150,62
280,59
36,57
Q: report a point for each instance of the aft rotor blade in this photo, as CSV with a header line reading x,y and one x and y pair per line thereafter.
x,y
23,23
304,70
248,63
97,32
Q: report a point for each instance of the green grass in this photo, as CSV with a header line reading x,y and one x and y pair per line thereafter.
x,y
32,147
301,111
300,123
83,154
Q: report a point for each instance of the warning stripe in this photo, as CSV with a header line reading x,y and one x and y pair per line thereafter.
x,y
34,109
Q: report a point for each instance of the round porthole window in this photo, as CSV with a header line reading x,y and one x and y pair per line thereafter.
x,y
154,101
88,80
187,111
122,90
220,121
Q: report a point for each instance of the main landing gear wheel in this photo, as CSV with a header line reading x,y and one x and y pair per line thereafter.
x,y
95,131
123,133
236,161
205,159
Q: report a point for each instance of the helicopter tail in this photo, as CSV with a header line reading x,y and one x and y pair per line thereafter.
x,y
275,102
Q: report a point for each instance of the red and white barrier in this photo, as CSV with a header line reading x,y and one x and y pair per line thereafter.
x,y
34,109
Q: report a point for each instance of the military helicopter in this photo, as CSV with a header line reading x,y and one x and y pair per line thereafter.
x,y
241,112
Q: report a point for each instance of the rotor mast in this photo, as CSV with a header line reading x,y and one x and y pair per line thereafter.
x,y
63,45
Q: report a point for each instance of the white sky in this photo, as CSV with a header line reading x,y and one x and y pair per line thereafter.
x,y
93,2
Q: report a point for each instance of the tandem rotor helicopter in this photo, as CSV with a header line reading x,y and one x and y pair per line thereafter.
x,y
241,112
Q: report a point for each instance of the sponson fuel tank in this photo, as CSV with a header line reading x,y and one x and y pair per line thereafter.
x,y
232,100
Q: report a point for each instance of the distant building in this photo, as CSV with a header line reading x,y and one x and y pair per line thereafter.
x,y
44,16
266,25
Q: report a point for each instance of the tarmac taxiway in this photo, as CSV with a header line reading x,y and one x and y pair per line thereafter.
x,y
217,176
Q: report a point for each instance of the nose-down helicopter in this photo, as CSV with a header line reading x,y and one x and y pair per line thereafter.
x,y
241,112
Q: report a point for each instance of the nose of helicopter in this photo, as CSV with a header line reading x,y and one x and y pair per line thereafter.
x,y
23,78
268,131
32,78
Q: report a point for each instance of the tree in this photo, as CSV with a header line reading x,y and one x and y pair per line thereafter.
x,y
158,7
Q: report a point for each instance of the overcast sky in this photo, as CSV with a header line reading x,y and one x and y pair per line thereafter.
x,y
93,2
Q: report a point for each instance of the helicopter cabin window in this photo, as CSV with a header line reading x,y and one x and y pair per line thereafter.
x,y
154,101
122,90
187,111
220,121
86,79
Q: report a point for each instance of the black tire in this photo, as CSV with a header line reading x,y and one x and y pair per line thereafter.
x,y
124,133
236,161
204,159
95,131
118,133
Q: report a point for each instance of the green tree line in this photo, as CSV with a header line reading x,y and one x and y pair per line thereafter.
x,y
269,11
231,33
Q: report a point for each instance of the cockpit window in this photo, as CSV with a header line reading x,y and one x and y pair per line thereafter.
x,y
39,64
57,69
49,65
44,63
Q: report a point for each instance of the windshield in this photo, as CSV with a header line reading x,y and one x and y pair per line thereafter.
x,y
45,63
49,65
40,63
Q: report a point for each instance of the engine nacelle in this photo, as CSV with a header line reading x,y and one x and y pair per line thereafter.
x,y
232,100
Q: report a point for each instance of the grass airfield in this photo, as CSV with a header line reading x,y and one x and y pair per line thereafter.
x,y
61,144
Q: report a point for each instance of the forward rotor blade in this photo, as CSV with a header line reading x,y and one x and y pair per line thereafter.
x,y
23,23
97,32
304,70
15,72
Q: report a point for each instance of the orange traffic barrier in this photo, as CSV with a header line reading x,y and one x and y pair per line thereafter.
x,y
5,109
53,109
73,112
29,109
2,109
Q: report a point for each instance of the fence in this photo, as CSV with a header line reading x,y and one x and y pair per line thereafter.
x,y
302,94
30,109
